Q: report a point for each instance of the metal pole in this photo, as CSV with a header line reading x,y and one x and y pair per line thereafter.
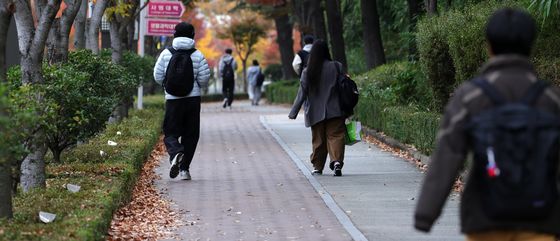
x,y
141,43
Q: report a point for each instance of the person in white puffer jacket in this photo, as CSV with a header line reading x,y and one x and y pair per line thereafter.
x,y
181,125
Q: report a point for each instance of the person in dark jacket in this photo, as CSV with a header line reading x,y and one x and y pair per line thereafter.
x,y
510,34
227,67
318,94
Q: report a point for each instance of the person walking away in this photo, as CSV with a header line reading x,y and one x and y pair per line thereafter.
x,y
509,121
300,60
255,78
183,71
227,68
319,94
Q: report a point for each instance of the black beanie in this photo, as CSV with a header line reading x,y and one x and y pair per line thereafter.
x,y
183,29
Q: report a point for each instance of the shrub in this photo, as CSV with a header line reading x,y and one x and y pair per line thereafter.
x,y
274,70
282,92
548,69
105,185
435,59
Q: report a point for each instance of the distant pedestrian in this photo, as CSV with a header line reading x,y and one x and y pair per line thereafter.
x,y
509,121
319,94
300,60
181,125
227,68
255,78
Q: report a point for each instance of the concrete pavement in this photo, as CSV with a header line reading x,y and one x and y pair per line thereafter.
x,y
250,182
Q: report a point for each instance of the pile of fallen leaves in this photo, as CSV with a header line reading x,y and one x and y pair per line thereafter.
x,y
403,154
148,216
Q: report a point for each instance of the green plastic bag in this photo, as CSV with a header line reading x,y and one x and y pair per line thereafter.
x,y
353,132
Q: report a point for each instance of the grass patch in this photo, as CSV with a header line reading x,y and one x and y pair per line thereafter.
x,y
106,183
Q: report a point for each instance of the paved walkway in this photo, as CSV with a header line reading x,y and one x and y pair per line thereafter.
x,y
248,185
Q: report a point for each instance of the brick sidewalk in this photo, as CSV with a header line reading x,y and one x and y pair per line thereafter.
x,y
245,187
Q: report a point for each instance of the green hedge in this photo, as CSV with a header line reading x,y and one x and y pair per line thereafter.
x,y
282,92
106,183
452,46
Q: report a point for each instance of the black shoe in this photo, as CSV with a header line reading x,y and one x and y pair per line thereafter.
x,y
225,103
175,163
316,172
337,169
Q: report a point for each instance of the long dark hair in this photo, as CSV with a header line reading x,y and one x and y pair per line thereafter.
x,y
319,54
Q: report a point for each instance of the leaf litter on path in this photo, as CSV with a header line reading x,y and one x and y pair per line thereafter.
x,y
457,186
148,216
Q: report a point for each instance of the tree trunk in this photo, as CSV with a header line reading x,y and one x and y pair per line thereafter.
x,y
31,45
68,17
301,9
336,32
92,38
6,210
244,64
33,166
53,55
5,18
80,26
318,20
285,43
373,44
431,7
57,50
116,46
414,9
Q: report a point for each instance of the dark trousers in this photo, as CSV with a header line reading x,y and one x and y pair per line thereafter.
x,y
182,119
227,89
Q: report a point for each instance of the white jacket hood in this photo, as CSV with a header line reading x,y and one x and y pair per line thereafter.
x,y
183,43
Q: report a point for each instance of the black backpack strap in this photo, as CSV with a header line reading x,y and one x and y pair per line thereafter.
x,y
534,92
172,50
489,90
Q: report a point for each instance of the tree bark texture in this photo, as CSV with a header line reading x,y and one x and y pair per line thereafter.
x,y
285,43
414,10
31,45
68,16
6,210
33,166
301,9
5,17
59,36
431,7
318,20
32,40
80,26
335,31
116,42
373,44
92,38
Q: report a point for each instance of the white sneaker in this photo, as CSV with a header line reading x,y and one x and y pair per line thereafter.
x,y
185,175
175,163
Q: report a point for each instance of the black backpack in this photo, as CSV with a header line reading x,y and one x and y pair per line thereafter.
x,y
260,78
179,76
227,72
348,92
304,56
516,149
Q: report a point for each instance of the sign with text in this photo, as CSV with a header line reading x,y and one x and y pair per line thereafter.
x,y
171,9
161,27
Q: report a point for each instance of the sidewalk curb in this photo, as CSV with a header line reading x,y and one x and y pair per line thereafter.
x,y
397,144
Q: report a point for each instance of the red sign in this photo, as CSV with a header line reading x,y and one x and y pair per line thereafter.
x,y
161,27
173,9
